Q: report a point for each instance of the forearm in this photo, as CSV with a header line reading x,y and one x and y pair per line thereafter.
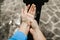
x,y
40,34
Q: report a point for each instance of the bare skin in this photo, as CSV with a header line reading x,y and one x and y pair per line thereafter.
x,y
28,20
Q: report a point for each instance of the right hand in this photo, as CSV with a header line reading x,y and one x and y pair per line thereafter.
x,y
35,31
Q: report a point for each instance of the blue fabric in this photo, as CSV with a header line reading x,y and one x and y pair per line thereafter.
x,y
18,36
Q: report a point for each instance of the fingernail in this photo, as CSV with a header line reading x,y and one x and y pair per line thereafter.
x,y
33,4
28,4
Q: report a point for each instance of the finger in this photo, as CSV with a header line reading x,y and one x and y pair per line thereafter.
x,y
32,9
34,24
22,12
28,28
33,6
32,31
25,11
28,23
26,8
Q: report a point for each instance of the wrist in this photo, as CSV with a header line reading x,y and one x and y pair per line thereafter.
x,y
23,28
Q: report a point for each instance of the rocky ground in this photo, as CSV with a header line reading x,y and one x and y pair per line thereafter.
x,y
49,22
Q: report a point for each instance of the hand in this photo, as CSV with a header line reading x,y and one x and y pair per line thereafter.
x,y
27,16
35,31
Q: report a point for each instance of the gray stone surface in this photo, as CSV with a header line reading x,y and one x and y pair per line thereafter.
x,y
57,25
57,38
10,14
54,19
50,12
49,22
44,17
52,9
58,13
57,31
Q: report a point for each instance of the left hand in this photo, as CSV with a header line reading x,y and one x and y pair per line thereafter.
x,y
27,16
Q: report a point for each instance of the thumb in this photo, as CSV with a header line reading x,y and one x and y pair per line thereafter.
x,y
32,31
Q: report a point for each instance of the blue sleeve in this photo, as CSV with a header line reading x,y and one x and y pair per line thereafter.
x,y
18,36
